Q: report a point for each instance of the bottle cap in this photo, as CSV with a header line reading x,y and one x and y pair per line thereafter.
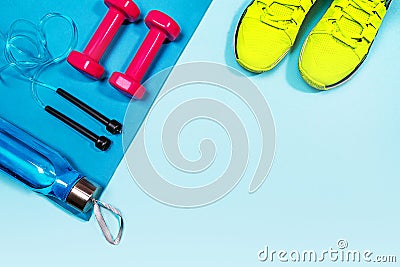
x,y
81,195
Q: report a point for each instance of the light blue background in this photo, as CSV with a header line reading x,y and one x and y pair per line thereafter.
x,y
335,175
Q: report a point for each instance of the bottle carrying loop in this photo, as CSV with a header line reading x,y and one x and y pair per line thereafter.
x,y
97,205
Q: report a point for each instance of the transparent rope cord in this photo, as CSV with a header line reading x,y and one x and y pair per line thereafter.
x,y
30,63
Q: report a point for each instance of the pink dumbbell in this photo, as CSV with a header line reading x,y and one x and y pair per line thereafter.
x,y
162,27
88,61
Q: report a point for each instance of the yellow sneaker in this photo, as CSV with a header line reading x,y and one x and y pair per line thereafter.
x,y
267,31
340,42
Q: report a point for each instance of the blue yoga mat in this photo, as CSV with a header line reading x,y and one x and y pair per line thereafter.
x,y
18,106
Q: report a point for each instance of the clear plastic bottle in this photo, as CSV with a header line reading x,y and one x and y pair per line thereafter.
x,y
43,169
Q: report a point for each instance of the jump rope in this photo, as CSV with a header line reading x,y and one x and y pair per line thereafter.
x,y
30,64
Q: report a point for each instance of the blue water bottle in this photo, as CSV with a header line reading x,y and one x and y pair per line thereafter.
x,y
43,169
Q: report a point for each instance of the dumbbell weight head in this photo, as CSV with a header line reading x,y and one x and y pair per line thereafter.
x,y
164,23
127,7
127,85
85,64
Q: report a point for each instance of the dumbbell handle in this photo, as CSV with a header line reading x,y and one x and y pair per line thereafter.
x,y
146,54
104,34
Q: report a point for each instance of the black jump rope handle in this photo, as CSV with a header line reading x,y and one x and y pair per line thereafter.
x,y
112,126
101,142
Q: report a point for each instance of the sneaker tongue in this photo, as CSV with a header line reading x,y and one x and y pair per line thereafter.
x,y
281,9
348,26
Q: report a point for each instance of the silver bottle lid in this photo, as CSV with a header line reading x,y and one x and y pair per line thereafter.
x,y
81,195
